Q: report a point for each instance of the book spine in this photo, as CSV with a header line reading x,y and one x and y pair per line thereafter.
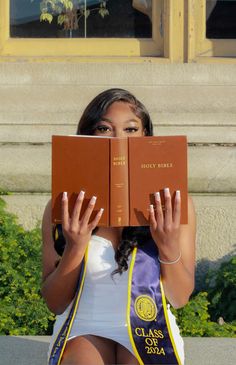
x,y
119,184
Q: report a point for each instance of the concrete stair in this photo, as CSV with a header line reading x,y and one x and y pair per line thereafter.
x,y
28,350
41,99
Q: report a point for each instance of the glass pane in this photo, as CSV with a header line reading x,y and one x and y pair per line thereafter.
x,y
221,19
81,18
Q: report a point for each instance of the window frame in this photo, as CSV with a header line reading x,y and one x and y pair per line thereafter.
x,y
200,48
161,48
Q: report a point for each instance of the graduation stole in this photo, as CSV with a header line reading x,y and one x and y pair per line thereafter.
x,y
147,319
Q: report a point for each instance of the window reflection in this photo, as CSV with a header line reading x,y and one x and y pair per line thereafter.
x,y
85,18
221,19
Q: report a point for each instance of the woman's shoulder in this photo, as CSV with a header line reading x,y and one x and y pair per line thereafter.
x,y
48,211
191,211
46,222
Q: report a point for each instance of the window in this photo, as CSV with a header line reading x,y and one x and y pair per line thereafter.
x,y
86,28
211,28
83,19
221,19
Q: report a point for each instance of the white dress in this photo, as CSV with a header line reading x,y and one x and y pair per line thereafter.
x,y
102,306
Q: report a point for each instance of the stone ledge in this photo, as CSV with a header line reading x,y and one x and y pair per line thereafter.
x,y
42,133
216,229
167,98
32,350
71,117
26,168
114,73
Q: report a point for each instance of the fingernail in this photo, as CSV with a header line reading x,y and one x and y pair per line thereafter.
x,y
167,191
101,211
177,194
151,208
81,195
157,196
64,195
93,200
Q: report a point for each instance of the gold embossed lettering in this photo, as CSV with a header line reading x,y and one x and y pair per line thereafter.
x,y
149,341
165,165
158,333
155,333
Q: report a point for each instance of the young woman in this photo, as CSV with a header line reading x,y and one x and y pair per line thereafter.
x,y
104,283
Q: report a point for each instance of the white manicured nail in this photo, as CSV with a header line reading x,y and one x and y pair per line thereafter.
x,y
167,191
93,200
64,196
151,208
101,211
157,196
177,194
81,194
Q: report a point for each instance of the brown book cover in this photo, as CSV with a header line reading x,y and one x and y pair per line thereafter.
x,y
124,174
156,163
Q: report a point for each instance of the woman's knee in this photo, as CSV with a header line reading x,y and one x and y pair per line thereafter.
x,y
124,356
89,350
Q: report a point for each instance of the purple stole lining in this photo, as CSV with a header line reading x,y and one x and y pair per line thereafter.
x,y
147,318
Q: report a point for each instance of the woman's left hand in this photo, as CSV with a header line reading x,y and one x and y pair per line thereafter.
x,y
165,227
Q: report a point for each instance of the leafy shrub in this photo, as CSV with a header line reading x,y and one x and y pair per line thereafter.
x,y
212,313
222,291
194,320
22,309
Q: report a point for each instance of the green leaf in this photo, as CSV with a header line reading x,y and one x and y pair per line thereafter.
x,y
103,12
46,17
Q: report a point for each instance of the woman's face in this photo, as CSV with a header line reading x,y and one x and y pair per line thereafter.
x,y
119,121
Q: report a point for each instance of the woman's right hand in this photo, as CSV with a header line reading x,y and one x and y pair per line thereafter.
x,y
77,229
60,282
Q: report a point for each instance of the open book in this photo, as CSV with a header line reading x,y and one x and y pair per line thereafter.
x,y
124,174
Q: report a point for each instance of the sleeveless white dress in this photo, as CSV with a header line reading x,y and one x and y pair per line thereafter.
x,y
102,306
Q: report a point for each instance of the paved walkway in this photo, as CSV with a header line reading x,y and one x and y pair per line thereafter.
x,y
28,350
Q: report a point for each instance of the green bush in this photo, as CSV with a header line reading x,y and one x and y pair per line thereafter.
x,y
23,311
212,313
194,320
222,291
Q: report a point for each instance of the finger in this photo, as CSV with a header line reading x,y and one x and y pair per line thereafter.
x,y
77,209
159,212
89,210
177,208
64,211
168,209
96,220
152,218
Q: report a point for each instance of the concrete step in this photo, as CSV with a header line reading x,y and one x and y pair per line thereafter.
x,y
72,117
38,133
198,351
157,98
112,73
216,219
26,167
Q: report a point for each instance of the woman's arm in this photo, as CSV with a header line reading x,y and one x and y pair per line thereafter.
x,y
59,283
173,240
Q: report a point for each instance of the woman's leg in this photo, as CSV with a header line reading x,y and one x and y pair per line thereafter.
x,y
89,350
124,356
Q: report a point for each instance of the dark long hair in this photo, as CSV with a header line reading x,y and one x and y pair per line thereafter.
x,y
99,105
131,236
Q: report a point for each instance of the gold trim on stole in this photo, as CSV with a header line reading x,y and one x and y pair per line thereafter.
x,y
76,305
168,323
128,306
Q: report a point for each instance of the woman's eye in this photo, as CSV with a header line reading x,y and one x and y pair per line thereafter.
x,y
102,128
131,129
